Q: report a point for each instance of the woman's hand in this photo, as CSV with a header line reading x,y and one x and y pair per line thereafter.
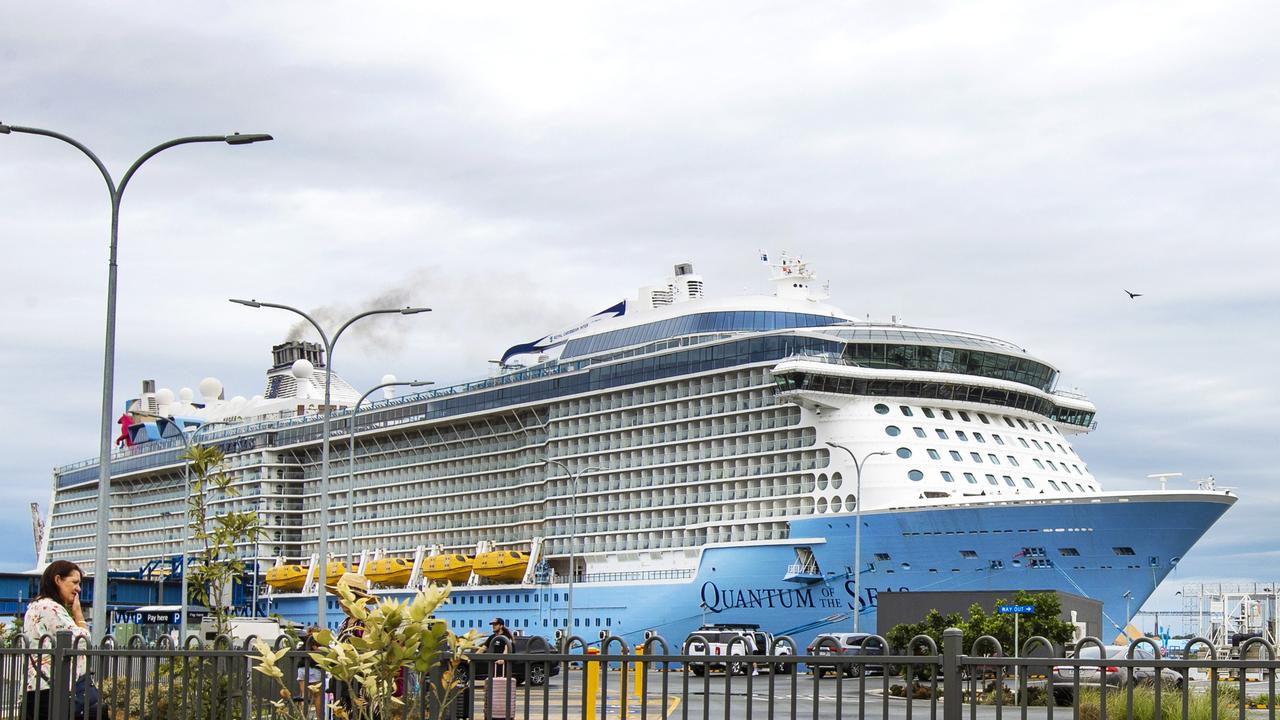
x,y
76,613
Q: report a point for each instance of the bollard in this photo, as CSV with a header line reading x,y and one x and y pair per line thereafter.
x,y
637,686
593,684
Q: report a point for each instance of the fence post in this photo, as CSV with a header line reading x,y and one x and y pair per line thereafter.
x,y
60,672
953,686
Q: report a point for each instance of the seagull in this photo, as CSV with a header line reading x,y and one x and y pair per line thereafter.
x,y
1133,295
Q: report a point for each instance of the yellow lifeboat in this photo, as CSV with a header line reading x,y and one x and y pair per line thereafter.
x,y
501,565
454,567
287,577
393,572
334,570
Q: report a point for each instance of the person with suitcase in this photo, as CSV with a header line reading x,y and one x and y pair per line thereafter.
x,y
500,696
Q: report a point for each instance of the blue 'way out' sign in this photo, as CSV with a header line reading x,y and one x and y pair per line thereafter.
x,y
1016,609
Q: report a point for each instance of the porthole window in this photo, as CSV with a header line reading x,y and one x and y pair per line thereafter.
x,y
904,453
915,475
822,505
948,476
836,479
822,481
905,410
882,409
893,430
850,502
835,504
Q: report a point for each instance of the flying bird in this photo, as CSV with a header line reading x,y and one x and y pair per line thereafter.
x,y
1133,295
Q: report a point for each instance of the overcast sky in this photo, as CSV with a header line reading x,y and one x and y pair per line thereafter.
x,y
1002,168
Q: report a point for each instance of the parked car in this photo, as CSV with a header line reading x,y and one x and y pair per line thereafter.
x,y
721,641
522,671
1063,677
843,644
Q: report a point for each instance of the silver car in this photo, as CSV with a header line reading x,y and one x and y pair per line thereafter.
x,y
1063,678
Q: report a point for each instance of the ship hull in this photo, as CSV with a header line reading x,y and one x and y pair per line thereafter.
x,y
995,546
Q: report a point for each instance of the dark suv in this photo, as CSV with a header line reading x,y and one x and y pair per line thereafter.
x,y
845,644
532,671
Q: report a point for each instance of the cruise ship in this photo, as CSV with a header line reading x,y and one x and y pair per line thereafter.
x,y
686,459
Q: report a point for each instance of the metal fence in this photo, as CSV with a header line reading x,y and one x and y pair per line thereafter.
x,y
654,680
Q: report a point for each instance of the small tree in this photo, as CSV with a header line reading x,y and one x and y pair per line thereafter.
x,y
397,636
216,564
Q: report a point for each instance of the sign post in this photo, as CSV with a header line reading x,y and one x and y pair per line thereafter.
x,y
1016,611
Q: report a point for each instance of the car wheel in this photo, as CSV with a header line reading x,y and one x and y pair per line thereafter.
x,y
738,669
782,669
697,670
537,675
853,670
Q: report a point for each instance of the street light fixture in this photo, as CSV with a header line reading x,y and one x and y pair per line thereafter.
x,y
100,558
857,530
329,343
351,463
573,530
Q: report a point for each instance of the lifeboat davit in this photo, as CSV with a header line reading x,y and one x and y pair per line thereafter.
x,y
287,577
501,565
452,567
392,572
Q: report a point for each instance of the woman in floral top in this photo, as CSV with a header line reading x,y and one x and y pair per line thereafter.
x,y
55,609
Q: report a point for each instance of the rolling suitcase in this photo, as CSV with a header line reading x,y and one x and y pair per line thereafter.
x,y
500,699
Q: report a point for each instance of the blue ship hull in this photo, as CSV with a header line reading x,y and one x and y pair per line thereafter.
x,y
1114,544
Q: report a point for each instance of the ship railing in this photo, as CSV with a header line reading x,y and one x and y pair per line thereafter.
x,y
640,674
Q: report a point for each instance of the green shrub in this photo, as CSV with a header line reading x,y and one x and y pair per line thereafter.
x,y
1199,705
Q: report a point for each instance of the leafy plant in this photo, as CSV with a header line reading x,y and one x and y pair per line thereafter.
x,y
397,637
1199,704
215,563
12,631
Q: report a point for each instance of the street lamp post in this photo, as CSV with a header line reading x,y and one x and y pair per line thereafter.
x,y
100,558
857,530
329,344
351,463
573,531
